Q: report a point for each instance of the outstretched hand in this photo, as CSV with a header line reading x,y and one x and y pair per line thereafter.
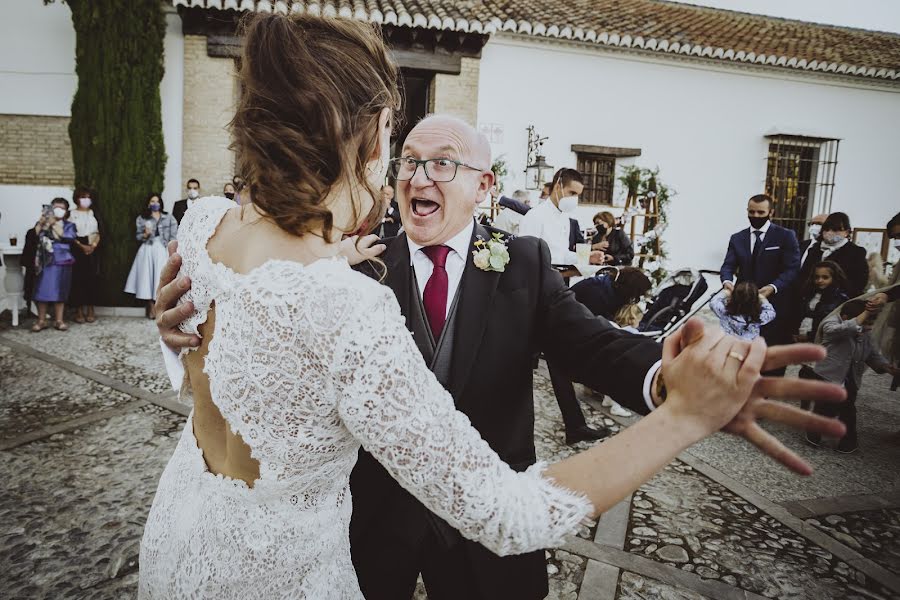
x,y
758,404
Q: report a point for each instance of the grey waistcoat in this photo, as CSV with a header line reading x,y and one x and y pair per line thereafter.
x,y
437,353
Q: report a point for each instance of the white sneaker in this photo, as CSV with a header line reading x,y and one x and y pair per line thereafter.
x,y
619,411
607,402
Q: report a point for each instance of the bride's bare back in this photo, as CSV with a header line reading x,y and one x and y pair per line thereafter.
x,y
242,242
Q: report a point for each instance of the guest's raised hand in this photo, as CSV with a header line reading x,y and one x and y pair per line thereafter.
x,y
168,313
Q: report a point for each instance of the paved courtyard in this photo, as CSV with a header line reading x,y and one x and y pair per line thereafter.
x,y
88,421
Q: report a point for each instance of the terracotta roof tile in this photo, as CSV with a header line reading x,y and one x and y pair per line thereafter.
x,y
648,25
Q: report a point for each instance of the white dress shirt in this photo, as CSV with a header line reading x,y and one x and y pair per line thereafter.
x,y
762,240
547,222
460,245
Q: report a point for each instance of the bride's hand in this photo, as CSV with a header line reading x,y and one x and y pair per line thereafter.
x,y
757,405
358,249
709,376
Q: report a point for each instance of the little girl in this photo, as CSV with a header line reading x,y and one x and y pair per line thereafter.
x,y
629,317
743,311
824,291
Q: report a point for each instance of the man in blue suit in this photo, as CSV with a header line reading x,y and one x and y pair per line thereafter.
x,y
767,255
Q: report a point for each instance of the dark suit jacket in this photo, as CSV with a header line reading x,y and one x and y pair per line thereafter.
x,y
504,319
777,263
575,235
178,210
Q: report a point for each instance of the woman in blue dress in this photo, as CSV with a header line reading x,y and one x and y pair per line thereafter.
x,y
53,263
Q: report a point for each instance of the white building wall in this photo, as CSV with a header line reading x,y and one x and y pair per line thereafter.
x,y
37,76
703,127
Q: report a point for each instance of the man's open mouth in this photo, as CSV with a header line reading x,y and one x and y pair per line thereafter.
x,y
424,208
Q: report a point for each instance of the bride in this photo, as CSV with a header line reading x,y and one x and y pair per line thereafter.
x,y
303,360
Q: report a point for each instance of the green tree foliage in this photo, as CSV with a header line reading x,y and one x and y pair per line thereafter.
x,y
116,126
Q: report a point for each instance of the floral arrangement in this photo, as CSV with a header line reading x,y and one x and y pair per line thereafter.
x,y
645,184
491,255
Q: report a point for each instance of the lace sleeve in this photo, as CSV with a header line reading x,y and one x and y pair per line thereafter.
x,y
392,403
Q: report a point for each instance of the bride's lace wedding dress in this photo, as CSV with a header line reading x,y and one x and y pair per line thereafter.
x,y
307,363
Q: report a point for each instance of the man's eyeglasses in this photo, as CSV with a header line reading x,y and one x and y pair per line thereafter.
x,y
439,170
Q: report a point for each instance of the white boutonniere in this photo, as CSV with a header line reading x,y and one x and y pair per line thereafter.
x,y
491,255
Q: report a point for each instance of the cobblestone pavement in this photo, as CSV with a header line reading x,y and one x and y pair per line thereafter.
x,y
83,459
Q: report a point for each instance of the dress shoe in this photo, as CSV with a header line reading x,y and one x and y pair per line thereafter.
x,y
586,433
847,446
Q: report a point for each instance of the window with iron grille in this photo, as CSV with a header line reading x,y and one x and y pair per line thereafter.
x,y
800,178
599,173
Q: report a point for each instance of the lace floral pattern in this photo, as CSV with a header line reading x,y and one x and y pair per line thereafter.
x,y
306,364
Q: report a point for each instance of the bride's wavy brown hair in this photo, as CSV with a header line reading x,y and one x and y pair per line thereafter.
x,y
307,120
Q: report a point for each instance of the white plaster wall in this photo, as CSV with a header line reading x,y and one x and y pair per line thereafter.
x,y
171,90
37,58
703,128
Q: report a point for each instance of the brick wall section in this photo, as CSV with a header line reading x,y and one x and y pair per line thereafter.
x,y
35,150
209,101
457,94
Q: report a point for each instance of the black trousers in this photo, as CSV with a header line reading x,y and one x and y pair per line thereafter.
x,y
844,411
572,416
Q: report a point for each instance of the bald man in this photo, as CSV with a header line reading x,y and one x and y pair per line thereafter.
x,y
478,330
815,230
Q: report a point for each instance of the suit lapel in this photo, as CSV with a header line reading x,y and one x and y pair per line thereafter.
x,y
396,259
476,294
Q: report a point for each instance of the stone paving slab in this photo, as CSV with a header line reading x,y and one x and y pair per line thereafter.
x,y
34,395
74,506
637,587
683,518
874,533
126,349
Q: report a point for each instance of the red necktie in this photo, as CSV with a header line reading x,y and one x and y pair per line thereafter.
x,y
435,295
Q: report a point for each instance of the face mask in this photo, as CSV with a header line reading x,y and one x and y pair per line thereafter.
x,y
193,194
568,204
814,231
229,195
59,213
601,230
84,202
829,237
757,222
154,207
896,244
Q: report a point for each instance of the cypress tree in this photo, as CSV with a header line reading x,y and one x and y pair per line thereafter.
x,y
116,125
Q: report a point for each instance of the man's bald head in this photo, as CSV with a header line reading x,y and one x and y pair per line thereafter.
x,y
818,219
471,143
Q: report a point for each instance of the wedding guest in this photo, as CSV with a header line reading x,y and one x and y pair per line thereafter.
x,y
888,322
155,228
228,191
611,240
29,256
742,311
390,223
605,294
85,272
193,194
823,291
56,234
550,221
835,245
846,337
